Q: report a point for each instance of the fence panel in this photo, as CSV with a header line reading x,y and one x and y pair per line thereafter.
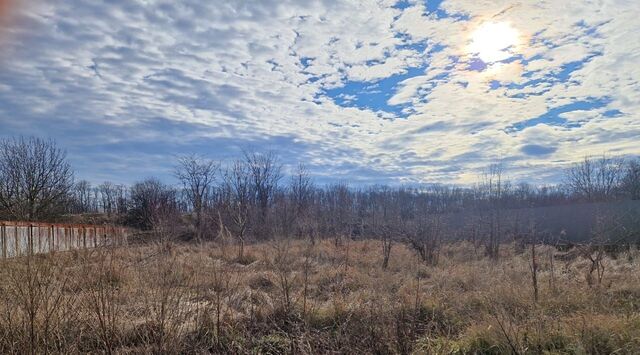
x,y
24,238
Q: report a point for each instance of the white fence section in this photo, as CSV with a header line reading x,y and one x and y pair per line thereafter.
x,y
23,238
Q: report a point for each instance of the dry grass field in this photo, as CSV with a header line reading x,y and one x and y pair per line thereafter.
x,y
286,297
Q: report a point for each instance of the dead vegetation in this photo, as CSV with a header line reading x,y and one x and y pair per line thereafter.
x,y
289,296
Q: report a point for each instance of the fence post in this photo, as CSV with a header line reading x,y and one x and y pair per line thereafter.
x,y
40,239
3,233
17,245
30,239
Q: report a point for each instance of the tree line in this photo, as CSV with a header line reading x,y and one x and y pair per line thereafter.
x,y
253,198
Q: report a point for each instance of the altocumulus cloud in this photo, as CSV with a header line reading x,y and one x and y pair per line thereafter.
x,y
371,91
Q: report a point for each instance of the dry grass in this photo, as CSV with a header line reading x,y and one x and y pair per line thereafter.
x,y
297,297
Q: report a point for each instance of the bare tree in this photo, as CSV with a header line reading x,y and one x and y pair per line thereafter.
x,y
265,175
122,199
493,188
197,176
301,189
534,265
387,244
425,237
151,202
82,195
595,179
338,201
631,180
108,196
35,178
237,190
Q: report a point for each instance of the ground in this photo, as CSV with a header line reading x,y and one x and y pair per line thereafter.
x,y
324,297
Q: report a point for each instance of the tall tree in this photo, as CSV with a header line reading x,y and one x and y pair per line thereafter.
x,y
494,188
35,178
631,180
301,193
237,193
83,199
265,172
595,179
197,176
151,202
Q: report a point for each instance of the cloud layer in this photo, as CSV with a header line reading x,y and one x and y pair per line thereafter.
x,y
369,91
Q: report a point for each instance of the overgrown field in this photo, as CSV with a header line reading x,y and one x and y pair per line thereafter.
x,y
299,297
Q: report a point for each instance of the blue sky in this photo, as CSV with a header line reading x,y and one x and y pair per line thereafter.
x,y
390,92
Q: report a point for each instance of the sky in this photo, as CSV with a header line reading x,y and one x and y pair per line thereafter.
x,y
370,92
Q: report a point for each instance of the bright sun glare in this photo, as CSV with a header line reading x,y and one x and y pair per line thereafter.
x,y
494,41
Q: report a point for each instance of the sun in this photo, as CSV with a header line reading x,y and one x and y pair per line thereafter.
x,y
494,41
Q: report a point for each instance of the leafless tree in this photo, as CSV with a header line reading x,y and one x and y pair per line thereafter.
x,y
493,188
197,176
35,178
631,180
83,197
238,192
108,195
338,211
301,189
265,172
595,179
426,238
151,202
387,244
122,193
534,265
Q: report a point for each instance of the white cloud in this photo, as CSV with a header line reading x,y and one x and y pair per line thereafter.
x,y
235,71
